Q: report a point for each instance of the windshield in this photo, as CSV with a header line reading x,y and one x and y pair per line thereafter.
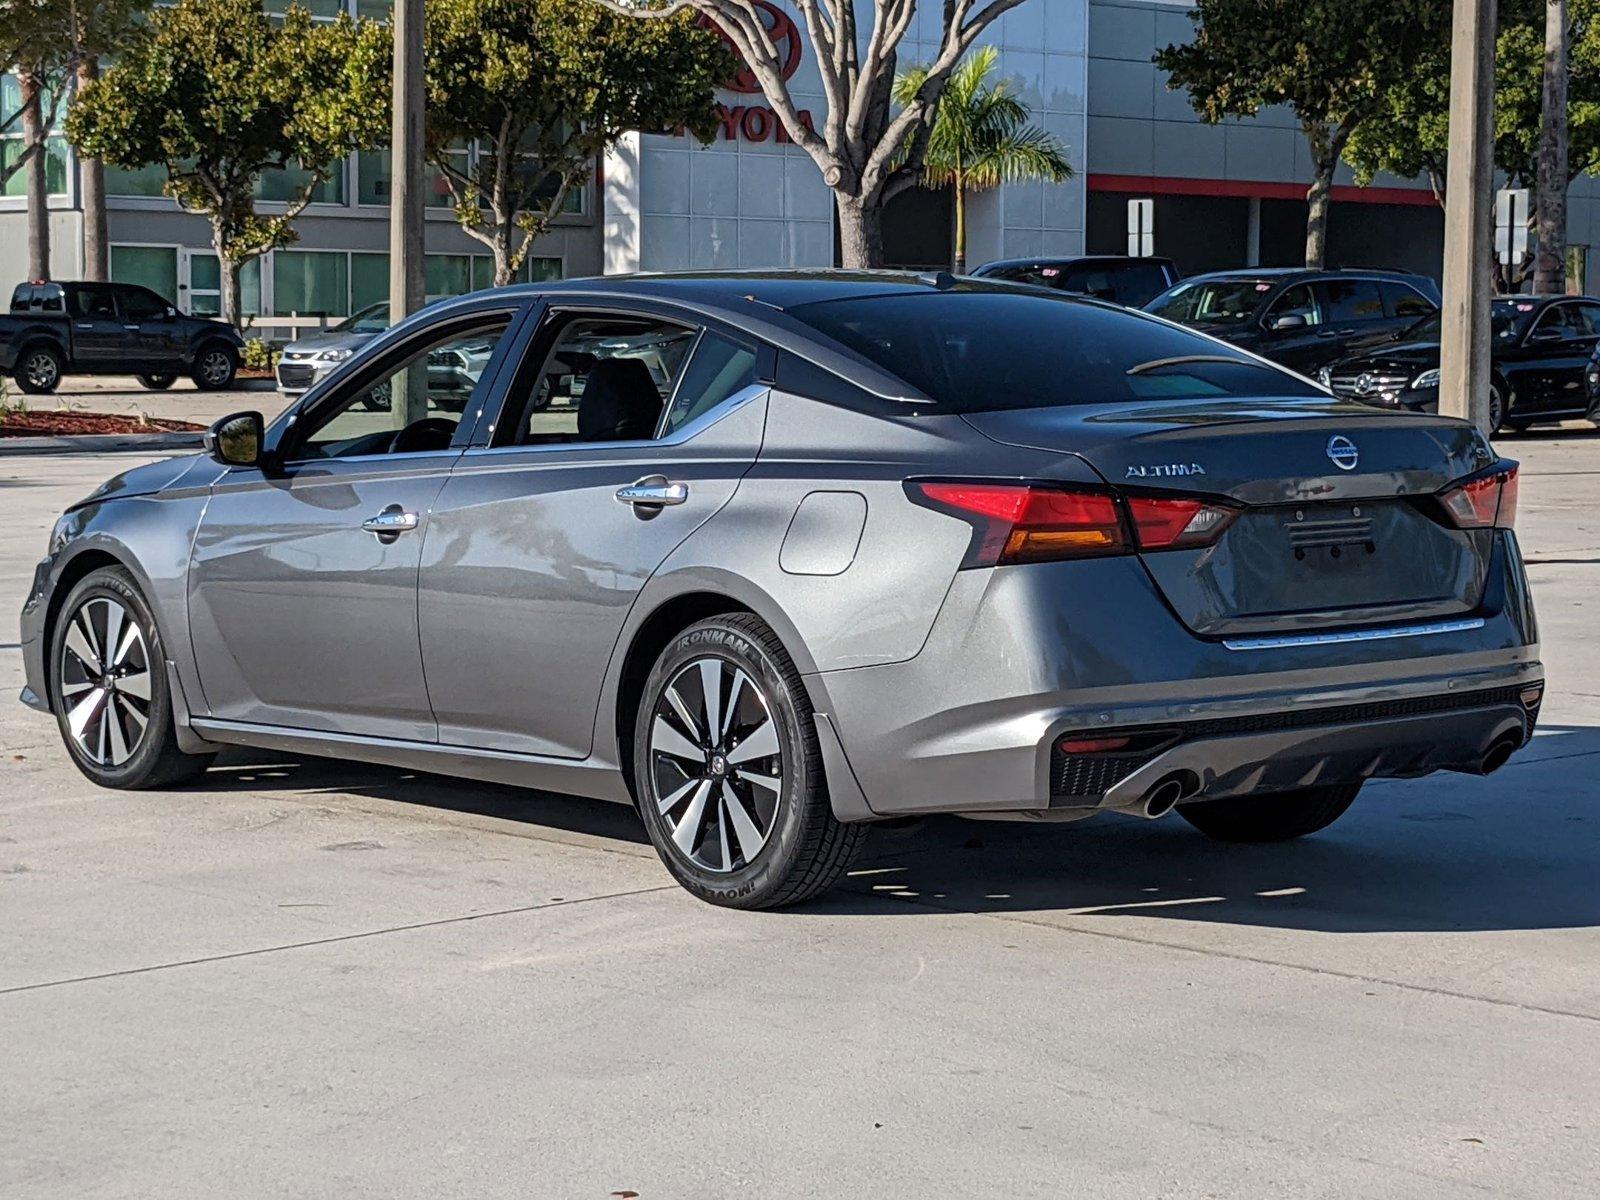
x,y
978,351
1507,321
372,319
1211,302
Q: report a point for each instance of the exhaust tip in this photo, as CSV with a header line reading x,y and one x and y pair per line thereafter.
x,y
1497,755
1165,794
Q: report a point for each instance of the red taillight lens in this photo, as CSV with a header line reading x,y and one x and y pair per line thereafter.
x,y
1174,524
1020,522
1483,503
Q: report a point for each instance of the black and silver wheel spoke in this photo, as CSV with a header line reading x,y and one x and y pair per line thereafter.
x,y
716,764
105,681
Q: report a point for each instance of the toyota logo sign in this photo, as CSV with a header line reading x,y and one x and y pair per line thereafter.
x,y
1343,452
786,40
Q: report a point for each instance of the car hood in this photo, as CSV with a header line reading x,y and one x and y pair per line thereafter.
x,y
150,478
330,341
1406,356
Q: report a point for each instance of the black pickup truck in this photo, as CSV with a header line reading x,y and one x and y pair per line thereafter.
x,y
56,329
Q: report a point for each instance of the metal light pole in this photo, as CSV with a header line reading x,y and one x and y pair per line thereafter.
x,y
1464,333
407,277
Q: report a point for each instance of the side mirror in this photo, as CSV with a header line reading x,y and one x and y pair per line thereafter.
x,y
236,440
1288,321
170,312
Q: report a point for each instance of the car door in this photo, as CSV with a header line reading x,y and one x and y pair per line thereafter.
x,y
1293,330
98,339
623,431
1356,319
1403,307
1566,360
1546,372
150,332
303,580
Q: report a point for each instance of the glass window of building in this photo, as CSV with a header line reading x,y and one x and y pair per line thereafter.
x,y
374,179
310,283
369,280
448,275
141,181
154,267
285,186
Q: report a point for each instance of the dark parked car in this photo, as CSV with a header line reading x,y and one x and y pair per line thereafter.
x,y
56,329
1302,319
1116,277
773,556
1541,348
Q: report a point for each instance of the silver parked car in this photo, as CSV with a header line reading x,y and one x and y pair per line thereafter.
x,y
304,362
775,556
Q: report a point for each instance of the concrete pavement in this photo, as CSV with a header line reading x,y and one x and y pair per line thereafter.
x,y
307,978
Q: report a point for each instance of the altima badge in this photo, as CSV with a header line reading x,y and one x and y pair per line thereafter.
x,y
1343,452
1164,470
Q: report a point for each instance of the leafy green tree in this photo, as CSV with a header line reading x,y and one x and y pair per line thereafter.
x,y
1331,62
33,47
542,88
980,137
218,93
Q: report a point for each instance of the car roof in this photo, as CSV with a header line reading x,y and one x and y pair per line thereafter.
x,y
1297,273
1065,260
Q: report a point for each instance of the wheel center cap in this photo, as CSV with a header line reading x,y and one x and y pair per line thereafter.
x,y
719,764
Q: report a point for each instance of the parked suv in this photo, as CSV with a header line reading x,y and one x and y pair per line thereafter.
x,y
56,329
1302,319
1540,349
1130,282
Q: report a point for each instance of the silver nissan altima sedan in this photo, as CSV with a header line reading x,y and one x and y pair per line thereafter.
x,y
774,556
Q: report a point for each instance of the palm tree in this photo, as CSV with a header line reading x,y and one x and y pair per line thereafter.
x,y
981,138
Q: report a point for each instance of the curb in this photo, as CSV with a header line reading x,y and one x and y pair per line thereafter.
x,y
102,443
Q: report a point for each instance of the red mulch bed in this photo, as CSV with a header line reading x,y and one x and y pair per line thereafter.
x,y
77,424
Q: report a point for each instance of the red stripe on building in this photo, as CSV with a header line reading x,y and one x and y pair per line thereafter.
x,y
1162,185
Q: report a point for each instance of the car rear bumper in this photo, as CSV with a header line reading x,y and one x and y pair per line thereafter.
x,y
1019,657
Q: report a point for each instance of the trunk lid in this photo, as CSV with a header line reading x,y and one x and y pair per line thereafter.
x,y
1337,527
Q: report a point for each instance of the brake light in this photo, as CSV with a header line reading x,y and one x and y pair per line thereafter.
x,y
1020,522
1173,524
1489,501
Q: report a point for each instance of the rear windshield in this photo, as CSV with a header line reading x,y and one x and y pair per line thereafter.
x,y
979,351
1215,302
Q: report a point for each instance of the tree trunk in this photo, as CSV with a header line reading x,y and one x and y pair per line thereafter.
x,y
1550,220
229,268
1318,197
860,231
92,185
35,134
961,225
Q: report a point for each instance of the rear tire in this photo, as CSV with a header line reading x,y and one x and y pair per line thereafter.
x,y
1276,817
214,367
729,776
39,370
109,689
156,383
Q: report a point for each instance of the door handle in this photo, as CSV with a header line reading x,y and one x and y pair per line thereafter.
x,y
653,491
131,328
390,523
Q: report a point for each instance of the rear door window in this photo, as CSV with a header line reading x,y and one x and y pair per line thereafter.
x,y
92,302
1352,300
719,368
979,351
1139,282
1403,300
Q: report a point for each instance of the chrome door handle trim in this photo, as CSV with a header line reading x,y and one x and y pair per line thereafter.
x,y
390,522
653,491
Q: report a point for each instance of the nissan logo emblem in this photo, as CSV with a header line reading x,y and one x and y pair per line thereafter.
x,y
1343,452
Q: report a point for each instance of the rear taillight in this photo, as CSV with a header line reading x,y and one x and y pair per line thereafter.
x,y
1020,522
1485,502
1174,524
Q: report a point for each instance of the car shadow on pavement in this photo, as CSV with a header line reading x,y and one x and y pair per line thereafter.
x,y
1518,850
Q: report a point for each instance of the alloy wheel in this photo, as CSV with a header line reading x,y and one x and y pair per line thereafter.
x,y
214,368
41,371
105,682
716,764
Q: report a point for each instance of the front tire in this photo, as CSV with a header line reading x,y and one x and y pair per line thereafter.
x,y
1497,407
1276,817
728,772
108,685
214,367
39,370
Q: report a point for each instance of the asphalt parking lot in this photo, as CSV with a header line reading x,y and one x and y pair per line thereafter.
x,y
315,978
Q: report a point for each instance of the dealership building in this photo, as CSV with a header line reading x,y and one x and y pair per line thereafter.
x,y
1225,195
